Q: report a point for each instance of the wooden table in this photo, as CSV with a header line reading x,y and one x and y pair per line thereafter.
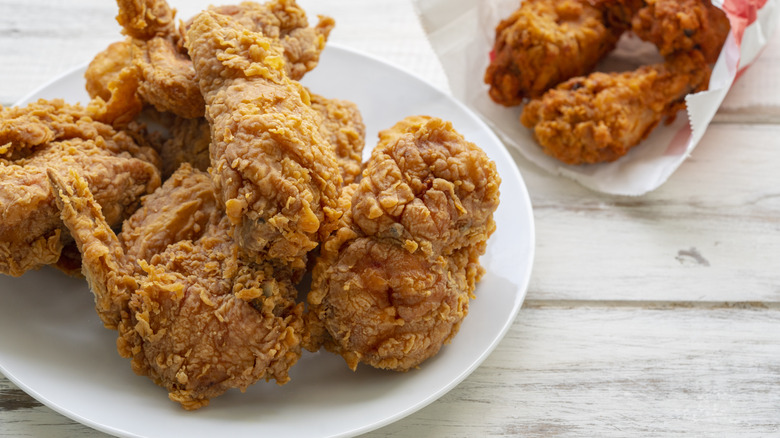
x,y
649,316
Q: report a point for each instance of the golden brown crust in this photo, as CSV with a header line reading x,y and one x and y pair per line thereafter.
x,y
544,43
191,314
600,117
342,126
145,19
676,26
55,135
275,173
392,283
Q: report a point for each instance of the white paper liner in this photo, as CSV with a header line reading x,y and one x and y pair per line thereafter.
x,y
462,34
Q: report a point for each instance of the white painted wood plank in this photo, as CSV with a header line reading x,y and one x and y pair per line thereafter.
x,y
709,234
618,372
589,371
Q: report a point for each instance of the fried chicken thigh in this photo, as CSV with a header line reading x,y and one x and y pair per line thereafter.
x,y
191,314
598,118
275,173
56,135
392,283
546,42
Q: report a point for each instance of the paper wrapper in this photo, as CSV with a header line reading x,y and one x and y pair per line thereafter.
x,y
462,33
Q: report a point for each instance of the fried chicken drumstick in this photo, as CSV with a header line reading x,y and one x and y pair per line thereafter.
x,y
598,118
392,284
191,314
546,42
275,173
53,134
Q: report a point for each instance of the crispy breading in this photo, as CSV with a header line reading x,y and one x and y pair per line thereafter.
x,y
159,71
600,117
56,135
392,283
274,171
545,42
682,26
342,126
191,314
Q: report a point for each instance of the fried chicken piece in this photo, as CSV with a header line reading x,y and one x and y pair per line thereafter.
x,y
167,77
273,170
546,42
286,24
190,313
112,82
682,26
392,283
600,117
53,134
146,19
159,70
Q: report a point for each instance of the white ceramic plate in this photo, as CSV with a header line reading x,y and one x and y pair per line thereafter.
x,y
54,347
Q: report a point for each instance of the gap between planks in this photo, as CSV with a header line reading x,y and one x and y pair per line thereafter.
x,y
650,305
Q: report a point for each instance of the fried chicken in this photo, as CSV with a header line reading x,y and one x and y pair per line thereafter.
x,y
191,314
546,42
286,24
392,283
187,140
275,173
676,26
146,19
342,126
159,71
56,135
598,118
112,82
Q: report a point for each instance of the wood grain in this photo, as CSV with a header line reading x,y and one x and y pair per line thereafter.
x,y
650,316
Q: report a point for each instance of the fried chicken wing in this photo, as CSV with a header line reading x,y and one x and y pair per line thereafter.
x,y
599,117
392,283
682,26
53,134
191,314
546,42
274,172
